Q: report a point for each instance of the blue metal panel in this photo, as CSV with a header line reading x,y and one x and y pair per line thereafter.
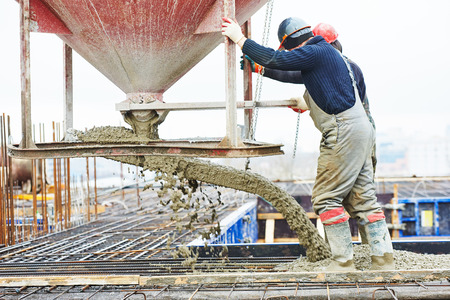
x,y
439,208
241,226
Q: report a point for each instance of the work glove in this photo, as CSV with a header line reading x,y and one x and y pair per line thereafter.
x,y
232,30
255,67
301,105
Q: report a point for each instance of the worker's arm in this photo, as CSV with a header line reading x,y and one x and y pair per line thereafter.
x,y
284,76
302,58
299,59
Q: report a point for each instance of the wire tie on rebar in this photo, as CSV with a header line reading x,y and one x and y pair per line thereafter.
x,y
232,289
192,296
18,291
63,292
134,293
31,293
265,290
85,287
418,283
162,290
98,291
391,291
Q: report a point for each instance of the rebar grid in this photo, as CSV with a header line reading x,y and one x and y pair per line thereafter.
x,y
281,290
138,233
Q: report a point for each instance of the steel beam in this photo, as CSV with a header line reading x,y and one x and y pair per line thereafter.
x,y
27,138
68,88
187,148
124,106
248,85
231,138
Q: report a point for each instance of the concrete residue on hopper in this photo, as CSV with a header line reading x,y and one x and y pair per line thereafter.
x,y
207,172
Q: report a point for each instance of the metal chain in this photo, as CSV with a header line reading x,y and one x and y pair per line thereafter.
x,y
265,41
258,89
296,135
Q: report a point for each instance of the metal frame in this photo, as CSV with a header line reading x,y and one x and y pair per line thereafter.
x,y
188,148
25,75
247,105
230,146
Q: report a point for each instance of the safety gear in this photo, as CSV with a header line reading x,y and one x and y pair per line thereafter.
x,y
340,240
326,31
345,150
232,30
292,32
301,105
381,251
255,67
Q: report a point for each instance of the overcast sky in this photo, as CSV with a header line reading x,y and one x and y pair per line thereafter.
x,y
401,46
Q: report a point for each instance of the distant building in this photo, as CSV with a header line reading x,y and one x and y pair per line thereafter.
x,y
403,155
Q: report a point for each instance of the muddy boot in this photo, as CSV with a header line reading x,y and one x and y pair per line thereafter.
x,y
380,243
363,234
340,240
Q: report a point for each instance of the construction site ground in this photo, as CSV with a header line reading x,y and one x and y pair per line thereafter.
x,y
128,253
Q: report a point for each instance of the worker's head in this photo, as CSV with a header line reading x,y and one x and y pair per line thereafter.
x,y
329,34
292,32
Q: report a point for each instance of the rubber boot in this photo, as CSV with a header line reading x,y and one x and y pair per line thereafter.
x,y
340,239
363,234
380,243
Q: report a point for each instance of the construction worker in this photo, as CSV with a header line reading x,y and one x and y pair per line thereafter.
x,y
344,172
330,35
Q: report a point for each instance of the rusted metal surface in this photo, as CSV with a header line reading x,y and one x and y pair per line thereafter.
x,y
42,19
231,138
88,199
25,74
138,44
248,84
68,88
200,148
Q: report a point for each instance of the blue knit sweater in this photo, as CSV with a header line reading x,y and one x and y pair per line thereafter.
x,y
324,72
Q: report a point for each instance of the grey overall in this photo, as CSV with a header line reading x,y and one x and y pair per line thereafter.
x,y
344,170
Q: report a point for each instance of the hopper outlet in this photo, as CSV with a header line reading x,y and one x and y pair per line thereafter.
x,y
144,122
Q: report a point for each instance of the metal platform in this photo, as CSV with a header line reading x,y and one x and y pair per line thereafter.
x,y
188,148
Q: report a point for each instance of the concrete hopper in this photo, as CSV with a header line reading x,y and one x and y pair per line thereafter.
x,y
142,46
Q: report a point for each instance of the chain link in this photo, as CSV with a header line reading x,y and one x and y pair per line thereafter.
x,y
258,89
296,135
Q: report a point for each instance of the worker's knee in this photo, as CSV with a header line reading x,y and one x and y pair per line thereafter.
x,y
333,216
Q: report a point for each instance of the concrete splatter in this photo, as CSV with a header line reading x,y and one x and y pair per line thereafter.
x,y
404,260
205,171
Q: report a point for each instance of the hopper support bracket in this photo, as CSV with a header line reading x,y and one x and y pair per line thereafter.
x,y
206,148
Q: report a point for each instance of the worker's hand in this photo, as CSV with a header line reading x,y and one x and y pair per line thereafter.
x,y
301,105
255,67
232,30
